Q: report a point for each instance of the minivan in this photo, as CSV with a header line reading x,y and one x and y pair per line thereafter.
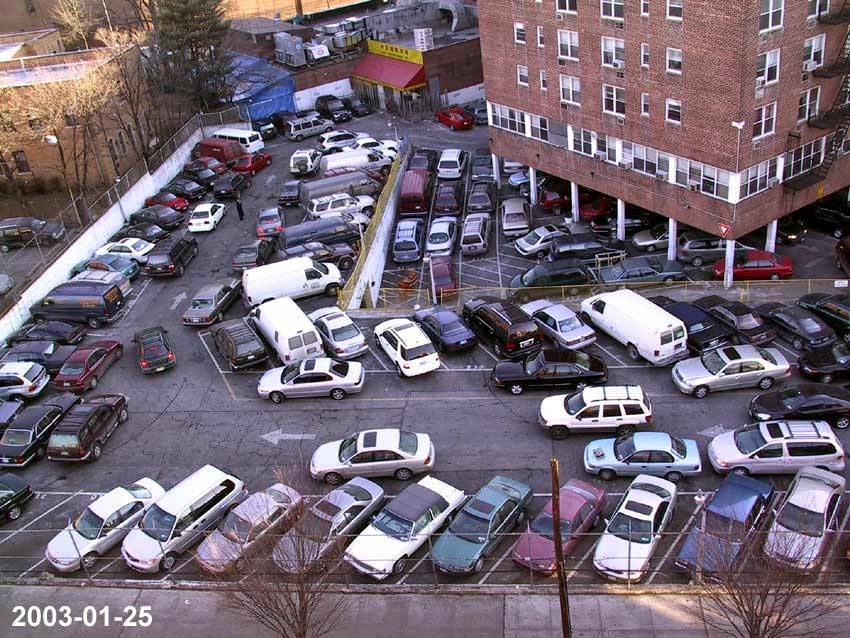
x,y
180,517
475,236
407,245
698,249
20,231
299,277
225,151
415,197
250,141
333,230
302,127
451,164
80,302
287,330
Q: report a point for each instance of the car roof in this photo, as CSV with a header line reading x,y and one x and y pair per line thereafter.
x,y
643,497
738,495
30,415
256,508
414,501
199,482
811,493
783,430
148,335
201,208
321,364
686,311
651,441
741,351
209,290
406,330
16,367
613,393
383,439
106,505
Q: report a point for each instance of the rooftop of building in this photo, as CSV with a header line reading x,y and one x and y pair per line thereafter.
x,y
55,67
260,25
443,36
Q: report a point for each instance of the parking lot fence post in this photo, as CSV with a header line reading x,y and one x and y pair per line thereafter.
x,y
79,555
431,560
563,592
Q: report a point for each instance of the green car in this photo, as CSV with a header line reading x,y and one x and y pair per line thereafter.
x,y
498,507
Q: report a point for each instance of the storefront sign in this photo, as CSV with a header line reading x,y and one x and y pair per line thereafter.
x,y
394,51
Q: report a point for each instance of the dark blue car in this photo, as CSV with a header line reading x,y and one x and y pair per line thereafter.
x,y
731,517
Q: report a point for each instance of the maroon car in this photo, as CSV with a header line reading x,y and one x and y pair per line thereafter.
x,y
581,507
83,431
164,198
83,369
443,272
211,163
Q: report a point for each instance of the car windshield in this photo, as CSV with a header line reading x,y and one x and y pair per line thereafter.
x,y
157,523
202,304
529,277
446,198
809,325
725,528
342,333
393,525
624,447
544,525
801,520
88,524
748,321
699,326
347,448
167,197
16,437
243,161
790,398
470,527
72,369
439,237
235,528
749,439
573,404
841,354
246,252
533,237
713,362
290,372
634,530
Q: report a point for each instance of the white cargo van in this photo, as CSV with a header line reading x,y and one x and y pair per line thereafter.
x,y
251,141
300,277
648,331
287,330
359,158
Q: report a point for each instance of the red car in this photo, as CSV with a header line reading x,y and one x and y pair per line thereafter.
x,y
211,163
252,163
454,117
756,264
598,207
581,506
172,201
82,370
555,200
443,271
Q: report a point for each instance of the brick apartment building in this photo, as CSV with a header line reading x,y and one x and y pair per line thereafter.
x,y
724,116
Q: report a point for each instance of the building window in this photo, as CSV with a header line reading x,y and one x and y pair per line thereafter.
x,y
613,9
644,104
22,165
582,141
541,41
809,102
674,111
754,180
715,182
543,84
508,118
674,9
613,52
568,6
519,33
644,54
767,67
608,145
649,161
540,128
770,14
816,7
521,75
613,100
644,7
568,44
813,50
803,159
570,89
765,120
674,61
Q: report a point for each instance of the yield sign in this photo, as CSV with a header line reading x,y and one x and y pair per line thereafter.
x,y
724,229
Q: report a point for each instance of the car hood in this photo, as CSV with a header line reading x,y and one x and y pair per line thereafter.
x,y
375,548
524,245
294,552
692,370
606,452
141,546
535,549
796,548
68,545
271,380
553,407
616,554
709,553
218,552
769,404
326,455
819,358
454,551
509,371
645,237
722,447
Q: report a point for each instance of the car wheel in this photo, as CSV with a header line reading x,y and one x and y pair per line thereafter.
x,y
332,478
673,477
403,474
96,450
766,383
826,378
89,560
119,352
701,391
651,248
398,370
540,254
842,422
585,318
558,432
253,172
498,350
276,397
797,344
838,233
774,277
93,323
4,248
299,138
41,452
122,416
338,394
625,430
250,183
557,211
607,475
345,264
516,388
740,471
368,211
398,566
93,383
668,280
195,251
634,355
168,562
14,513
697,262
332,290
479,565
180,270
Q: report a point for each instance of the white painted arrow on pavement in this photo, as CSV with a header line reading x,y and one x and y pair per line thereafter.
x,y
279,435
177,300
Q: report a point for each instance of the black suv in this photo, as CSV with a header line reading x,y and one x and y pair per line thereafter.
x,y
143,230
290,193
19,231
329,106
705,333
162,216
238,344
448,198
186,188
342,255
169,258
833,309
357,107
512,332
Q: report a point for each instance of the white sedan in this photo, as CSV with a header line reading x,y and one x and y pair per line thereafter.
x,y
631,536
441,236
538,241
206,217
101,526
134,249
387,148
341,336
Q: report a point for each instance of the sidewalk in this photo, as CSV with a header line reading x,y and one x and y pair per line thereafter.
x,y
192,614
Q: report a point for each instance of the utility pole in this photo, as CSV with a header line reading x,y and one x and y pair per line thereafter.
x,y
566,626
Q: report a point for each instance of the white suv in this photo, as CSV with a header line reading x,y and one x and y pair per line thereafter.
x,y
407,347
336,141
607,408
341,205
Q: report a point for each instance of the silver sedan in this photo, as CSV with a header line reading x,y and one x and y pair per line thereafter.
x,y
560,324
741,366
312,378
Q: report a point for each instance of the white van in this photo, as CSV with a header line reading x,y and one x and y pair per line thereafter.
x,y
251,141
360,158
648,331
106,277
296,278
288,330
180,517
451,164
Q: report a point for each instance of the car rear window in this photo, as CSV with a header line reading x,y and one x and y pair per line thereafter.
x,y
340,368
449,164
162,258
408,442
246,347
64,441
405,245
515,218
523,330
409,354
33,373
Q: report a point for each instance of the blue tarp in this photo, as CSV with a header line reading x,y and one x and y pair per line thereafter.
x,y
261,88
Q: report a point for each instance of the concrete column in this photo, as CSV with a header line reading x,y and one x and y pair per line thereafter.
x,y
770,240
496,174
532,185
621,220
574,201
672,236
728,263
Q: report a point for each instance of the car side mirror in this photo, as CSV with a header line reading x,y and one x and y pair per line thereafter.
x,y
606,521
176,533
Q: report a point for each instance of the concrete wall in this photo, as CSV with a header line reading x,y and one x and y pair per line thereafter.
x,y
306,99
469,94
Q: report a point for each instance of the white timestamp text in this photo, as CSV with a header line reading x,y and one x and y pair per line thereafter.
x,y
88,616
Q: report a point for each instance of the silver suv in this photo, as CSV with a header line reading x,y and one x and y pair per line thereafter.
x,y
776,447
340,205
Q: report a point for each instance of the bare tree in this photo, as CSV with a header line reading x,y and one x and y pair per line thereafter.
x,y
77,18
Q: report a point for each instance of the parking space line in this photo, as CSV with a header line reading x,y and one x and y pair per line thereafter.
x,y
682,533
581,560
498,255
217,367
176,569
37,518
377,358
22,574
107,566
412,569
610,354
793,353
493,569
490,354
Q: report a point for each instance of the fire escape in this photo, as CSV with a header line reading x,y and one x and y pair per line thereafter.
x,y
837,118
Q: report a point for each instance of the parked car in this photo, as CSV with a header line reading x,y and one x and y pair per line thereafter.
x,y
15,493
384,452
442,236
200,175
211,163
136,250
652,239
554,197
209,304
230,185
402,527
445,329
747,325
806,520
482,164
755,265
336,141
169,200
590,249
312,378
163,216
801,328
599,207
478,112
483,198
22,231
342,337
60,332
86,366
729,368
655,453
249,528
776,447
550,369
538,241
149,232
408,241
804,401
153,350
331,107
206,217
387,148
407,347
252,163
186,188
269,223
581,507
454,117
25,440
607,224
697,248
359,207
289,194
515,216
609,408
831,215
732,517
257,253
84,430
448,198
522,178
563,326
542,278
512,332
44,353
509,166
342,255
642,270
109,263
170,258
101,526
479,526
825,364
705,332
356,106
624,550
443,279
424,158
237,342
833,309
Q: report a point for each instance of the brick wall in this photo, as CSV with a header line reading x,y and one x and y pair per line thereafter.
x,y
316,76
457,65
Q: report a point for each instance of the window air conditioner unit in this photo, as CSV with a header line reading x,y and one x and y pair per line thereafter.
x,y
620,74
760,82
562,62
661,176
811,23
756,146
617,64
763,38
600,155
559,16
619,25
809,66
621,120
694,184
759,94
695,187
626,165
772,182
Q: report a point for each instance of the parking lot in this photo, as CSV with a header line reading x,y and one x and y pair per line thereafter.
x,y
202,412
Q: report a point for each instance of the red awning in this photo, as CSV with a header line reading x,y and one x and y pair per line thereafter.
x,y
385,71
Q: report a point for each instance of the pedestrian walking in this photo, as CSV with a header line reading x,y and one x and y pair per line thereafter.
x,y
239,209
